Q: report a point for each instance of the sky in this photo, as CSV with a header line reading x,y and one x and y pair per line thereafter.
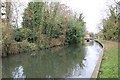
x,y
93,10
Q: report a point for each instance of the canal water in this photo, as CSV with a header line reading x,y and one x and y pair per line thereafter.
x,y
60,62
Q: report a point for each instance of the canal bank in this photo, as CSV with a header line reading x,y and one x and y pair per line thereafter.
x,y
97,67
109,66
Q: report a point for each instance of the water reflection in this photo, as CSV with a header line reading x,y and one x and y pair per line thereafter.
x,y
18,72
72,61
92,52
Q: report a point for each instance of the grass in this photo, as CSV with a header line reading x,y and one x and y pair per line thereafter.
x,y
109,66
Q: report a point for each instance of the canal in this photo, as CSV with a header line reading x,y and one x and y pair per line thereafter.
x,y
74,61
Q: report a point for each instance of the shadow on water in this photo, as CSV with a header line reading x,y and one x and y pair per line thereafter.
x,y
51,63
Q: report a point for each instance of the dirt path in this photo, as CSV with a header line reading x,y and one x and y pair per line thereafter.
x,y
109,45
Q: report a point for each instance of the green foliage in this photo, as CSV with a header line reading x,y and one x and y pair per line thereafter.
x,y
22,34
75,30
26,34
10,46
18,35
44,25
50,20
33,37
33,15
71,36
110,26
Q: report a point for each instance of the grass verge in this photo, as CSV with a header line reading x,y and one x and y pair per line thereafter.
x,y
109,66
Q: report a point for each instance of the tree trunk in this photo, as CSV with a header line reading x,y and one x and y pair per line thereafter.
x,y
8,12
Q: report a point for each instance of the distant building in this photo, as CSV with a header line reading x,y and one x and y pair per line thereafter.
x,y
87,37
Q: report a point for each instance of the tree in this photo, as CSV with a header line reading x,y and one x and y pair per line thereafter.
x,y
53,21
110,26
33,15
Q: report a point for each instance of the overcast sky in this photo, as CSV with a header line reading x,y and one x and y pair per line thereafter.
x,y
93,10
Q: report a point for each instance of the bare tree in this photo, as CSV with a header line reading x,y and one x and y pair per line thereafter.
x,y
8,13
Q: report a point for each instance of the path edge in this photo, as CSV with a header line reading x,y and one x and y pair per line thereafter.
x,y
97,67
